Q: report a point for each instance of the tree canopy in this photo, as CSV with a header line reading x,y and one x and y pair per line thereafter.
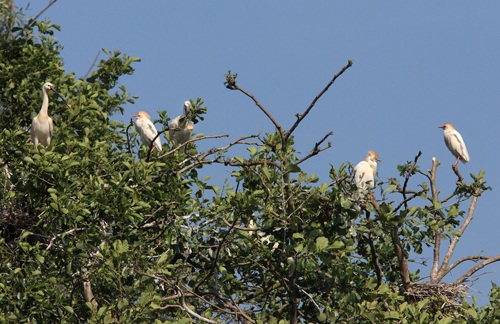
x,y
96,228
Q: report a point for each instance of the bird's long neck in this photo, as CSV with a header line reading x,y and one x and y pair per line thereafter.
x,y
44,112
372,164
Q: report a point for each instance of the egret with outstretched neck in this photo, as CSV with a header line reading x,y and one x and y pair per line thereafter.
x,y
455,143
42,127
180,133
147,130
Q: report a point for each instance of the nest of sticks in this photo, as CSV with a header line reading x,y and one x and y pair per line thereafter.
x,y
442,295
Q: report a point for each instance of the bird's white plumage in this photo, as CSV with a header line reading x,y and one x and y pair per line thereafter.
x,y
147,130
42,127
455,143
178,133
364,172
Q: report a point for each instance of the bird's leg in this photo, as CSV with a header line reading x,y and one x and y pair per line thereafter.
x,y
456,163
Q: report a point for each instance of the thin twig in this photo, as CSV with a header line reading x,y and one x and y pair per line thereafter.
x,y
190,141
199,158
410,173
153,142
93,63
475,269
316,149
278,126
301,117
34,19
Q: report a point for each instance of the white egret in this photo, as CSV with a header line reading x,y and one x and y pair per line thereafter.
x,y
455,143
42,127
364,172
180,133
147,130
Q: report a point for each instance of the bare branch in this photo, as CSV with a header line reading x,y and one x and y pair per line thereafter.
x,y
187,142
152,143
410,173
231,162
231,84
199,158
34,19
474,258
475,269
316,149
460,178
443,270
93,63
301,117
437,232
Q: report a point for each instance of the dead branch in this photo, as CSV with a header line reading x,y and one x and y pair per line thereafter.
x,y
474,258
187,142
231,84
476,268
152,143
231,162
410,173
301,117
460,178
443,270
93,63
34,19
316,149
199,157
437,232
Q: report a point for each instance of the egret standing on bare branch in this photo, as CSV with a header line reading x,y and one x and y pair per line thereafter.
x,y
180,133
147,130
364,172
455,143
42,127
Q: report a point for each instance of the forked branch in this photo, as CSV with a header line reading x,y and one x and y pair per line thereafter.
x,y
231,84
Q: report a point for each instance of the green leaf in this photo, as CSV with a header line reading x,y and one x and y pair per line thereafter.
x,y
446,320
302,176
321,243
292,168
69,309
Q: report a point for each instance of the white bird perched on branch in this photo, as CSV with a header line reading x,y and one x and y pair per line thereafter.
x,y
147,130
180,133
364,172
455,143
42,127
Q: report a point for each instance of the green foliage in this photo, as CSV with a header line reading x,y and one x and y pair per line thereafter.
x,y
91,232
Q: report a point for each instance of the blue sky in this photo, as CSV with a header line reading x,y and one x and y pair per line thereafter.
x,y
417,65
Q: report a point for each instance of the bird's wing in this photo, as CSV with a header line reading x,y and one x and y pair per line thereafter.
x,y
363,173
149,130
51,127
458,145
51,131
34,124
175,122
